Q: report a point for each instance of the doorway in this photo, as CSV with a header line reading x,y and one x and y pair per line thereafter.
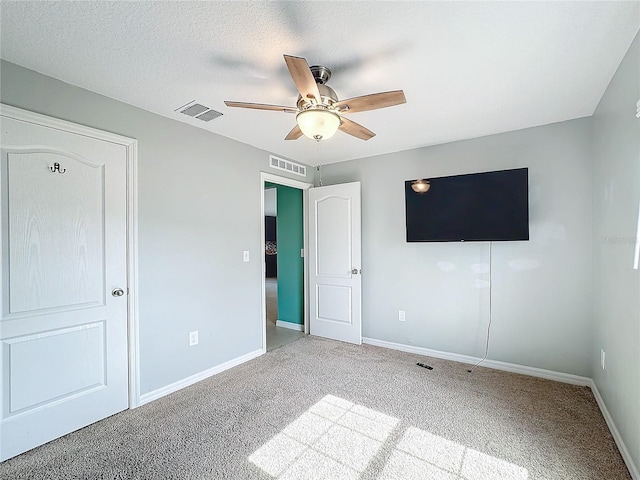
x,y
284,269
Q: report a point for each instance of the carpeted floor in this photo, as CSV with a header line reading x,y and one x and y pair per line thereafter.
x,y
323,409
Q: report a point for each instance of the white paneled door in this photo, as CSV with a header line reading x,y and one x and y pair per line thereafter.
x,y
334,262
63,330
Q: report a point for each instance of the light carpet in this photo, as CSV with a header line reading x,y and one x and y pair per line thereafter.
x,y
322,409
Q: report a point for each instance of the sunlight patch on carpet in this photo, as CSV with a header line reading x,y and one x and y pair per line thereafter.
x,y
419,454
336,438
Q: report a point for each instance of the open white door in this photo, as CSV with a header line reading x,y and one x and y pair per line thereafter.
x,y
63,324
334,262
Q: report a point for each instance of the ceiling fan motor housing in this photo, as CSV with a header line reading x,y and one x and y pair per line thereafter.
x,y
327,98
321,73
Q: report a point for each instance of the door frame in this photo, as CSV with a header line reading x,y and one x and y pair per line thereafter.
x,y
131,147
287,182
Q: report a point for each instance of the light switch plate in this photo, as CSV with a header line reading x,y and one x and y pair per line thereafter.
x,y
245,256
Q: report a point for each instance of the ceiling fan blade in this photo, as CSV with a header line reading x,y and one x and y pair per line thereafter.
x,y
261,106
302,77
355,129
371,102
294,134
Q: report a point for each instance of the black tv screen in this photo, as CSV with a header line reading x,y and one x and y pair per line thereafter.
x,y
478,207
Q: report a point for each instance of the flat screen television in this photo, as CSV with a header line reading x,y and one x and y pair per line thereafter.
x,y
477,207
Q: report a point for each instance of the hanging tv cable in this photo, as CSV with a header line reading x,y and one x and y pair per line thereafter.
x,y
486,348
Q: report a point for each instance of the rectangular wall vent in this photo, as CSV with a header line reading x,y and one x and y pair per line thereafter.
x,y
287,166
199,111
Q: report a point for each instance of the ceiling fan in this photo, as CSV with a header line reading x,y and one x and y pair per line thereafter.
x,y
319,113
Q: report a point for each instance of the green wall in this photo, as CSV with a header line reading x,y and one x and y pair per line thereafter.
x,y
290,234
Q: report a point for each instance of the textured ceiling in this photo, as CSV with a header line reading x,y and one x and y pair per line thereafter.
x,y
467,68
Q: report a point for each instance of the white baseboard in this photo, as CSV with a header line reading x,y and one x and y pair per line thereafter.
x,y
626,456
531,371
507,367
292,326
180,384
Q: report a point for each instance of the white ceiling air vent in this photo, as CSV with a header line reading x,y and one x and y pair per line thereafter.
x,y
287,166
198,111
208,115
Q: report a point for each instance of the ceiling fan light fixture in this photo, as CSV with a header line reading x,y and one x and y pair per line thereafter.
x,y
319,112
420,186
318,124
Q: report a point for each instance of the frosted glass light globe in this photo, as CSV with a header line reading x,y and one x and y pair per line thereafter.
x,y
318,124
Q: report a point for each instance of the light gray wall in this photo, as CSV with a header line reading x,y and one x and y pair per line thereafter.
x,y
271,202
199,208
541,288
616,148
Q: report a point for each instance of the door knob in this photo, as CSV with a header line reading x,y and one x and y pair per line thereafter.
x,y
355,271
117,292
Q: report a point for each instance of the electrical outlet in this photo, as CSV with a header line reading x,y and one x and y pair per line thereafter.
x,y
193,338
245,256
401,315
602,358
